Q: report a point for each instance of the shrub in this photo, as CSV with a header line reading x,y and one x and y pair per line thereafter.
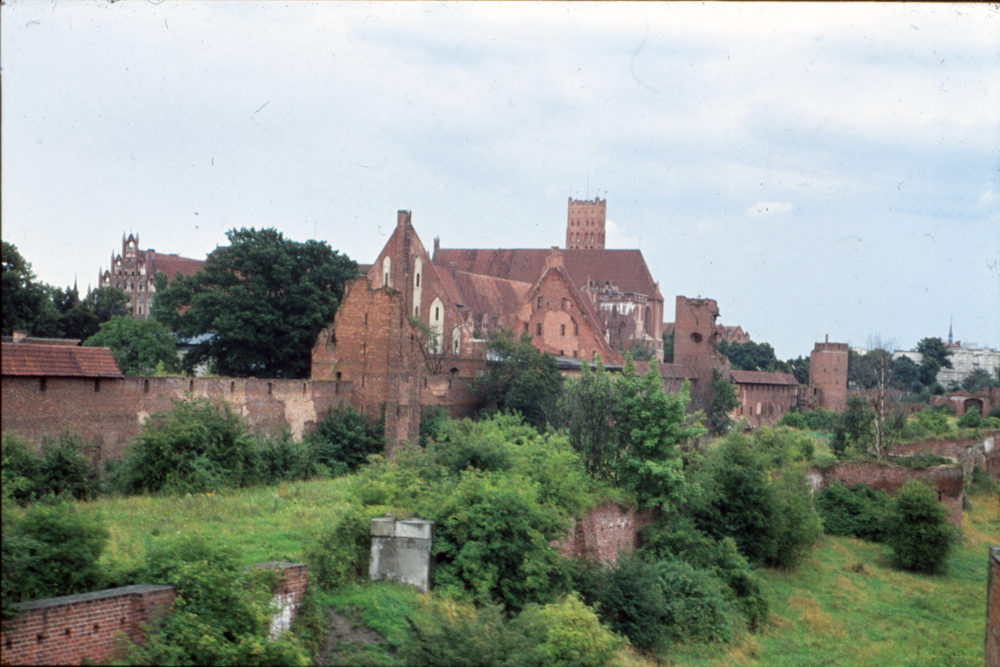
x,y
62,468
857,511
811,420
971,419
340,555
52,550
221,615
980,483
572,634
20,469
345,439
433,420
919,534
678,538
654,602
282,459
195,447
492,540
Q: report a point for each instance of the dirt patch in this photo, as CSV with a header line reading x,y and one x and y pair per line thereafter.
x,y
347,640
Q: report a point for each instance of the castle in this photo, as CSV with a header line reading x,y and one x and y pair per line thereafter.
x,y
134,272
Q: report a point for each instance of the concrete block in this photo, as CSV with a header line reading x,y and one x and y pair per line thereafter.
x,y
401,551
383,526
415,528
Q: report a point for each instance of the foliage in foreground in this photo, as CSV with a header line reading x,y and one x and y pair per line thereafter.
x,y
61,469
919,534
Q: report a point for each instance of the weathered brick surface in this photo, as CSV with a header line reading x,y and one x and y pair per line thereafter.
x,y
67,630
605,532
992,647
108,414
762,404
828,374
947,480
982,451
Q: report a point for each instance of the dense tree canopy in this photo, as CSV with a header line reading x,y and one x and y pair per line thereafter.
x,y
27,304
265,299
519,378
935,357
137,345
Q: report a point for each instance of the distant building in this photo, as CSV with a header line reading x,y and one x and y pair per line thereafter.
x,y
134,271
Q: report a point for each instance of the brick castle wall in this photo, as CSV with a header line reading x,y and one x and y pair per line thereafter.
x,y
109,413
982,451
947,480
78,629
604,532
828,373
71,629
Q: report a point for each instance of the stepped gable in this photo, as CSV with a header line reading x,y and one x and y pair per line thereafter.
x,y
759,377
58,361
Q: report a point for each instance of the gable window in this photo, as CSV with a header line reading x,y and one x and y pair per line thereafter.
x,y
418,270
539,303
386,270
456,340
538,329
437,324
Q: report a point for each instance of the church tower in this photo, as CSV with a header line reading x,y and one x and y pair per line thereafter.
x,y
585,224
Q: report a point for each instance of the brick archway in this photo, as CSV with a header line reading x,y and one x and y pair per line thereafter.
x,y
974,401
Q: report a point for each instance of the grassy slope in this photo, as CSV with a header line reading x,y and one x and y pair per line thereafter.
x,y
846,606
843,606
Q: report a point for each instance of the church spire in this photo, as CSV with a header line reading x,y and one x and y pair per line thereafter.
x,y
949,331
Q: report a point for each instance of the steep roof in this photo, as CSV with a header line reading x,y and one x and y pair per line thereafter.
x,y
758,377
171,265
486,294
58,361
625,269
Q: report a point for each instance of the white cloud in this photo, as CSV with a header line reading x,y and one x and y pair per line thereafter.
x,y
615,237
988,198
764,209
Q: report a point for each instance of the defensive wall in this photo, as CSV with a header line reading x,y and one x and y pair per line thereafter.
x,y
87,628
108,413
982,451
946,480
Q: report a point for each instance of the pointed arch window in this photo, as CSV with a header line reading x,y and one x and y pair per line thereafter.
x,y
437,324
386,271
418,270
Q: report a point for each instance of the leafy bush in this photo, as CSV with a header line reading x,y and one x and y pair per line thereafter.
x,y
980,483
971,419
221,615
62,468
927,421
282,459
52,550
857,511
811,420
345,439
767,513
572,634
677,538
195,447
655,602
919,534
492,540
340,555
433,419
781,446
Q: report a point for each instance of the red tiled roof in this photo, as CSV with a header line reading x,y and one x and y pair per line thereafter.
x,y
171,265
758,377
58,361
486,294
625,269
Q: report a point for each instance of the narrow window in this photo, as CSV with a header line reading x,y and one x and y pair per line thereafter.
x,y
145,386
41,385
538,329
562,329
339,376
539,303
525,327
232,387
386,270
97,384
270,388
191,385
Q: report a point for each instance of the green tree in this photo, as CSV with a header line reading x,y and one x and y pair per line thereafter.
x,y
137,345
875,375
586,411
748,356
345,439
905,374
265,299
977,379
668,347
800,369
935,357
27,304
854,428
919,534
724,401
519,378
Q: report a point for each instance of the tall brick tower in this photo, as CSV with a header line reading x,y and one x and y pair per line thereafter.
x,y
695,337
585,224
828,373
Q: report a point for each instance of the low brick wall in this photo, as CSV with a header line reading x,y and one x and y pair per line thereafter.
x,y
66,630
947,480
604,532
982,451
74,629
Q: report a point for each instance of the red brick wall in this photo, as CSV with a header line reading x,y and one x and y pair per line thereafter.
x,y
453,393
828,373
695,345
66,630
604,532
763,404
110,417
947,480
74,629
982,451
993,609
585,223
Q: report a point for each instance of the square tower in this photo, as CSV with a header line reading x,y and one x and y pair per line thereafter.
x,y
828,373
585,224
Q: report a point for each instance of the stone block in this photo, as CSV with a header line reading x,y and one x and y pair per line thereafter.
x,y
401,551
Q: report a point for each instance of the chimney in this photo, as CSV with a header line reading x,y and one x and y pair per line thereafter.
x,y
554,258
437,246
402,219
828,339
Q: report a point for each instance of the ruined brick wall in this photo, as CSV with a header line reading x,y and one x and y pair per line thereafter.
x,y
108,413
372,345
695,334
828,374
585,223
287,594
948,481
982,451
453,393
764,404
604,532
72,629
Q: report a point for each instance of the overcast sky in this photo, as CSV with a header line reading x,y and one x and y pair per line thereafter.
x,y
816,169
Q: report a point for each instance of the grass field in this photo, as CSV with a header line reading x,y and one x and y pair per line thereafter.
x,y
843,606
